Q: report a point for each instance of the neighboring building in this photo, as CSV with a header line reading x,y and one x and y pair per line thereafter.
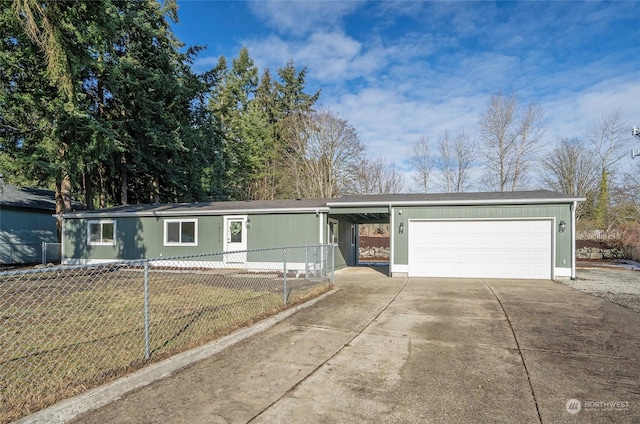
x,y
486,235
26,221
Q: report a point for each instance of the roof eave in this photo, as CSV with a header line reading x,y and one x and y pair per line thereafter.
x,y
456,202
202,212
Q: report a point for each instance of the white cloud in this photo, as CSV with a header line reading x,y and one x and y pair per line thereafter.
x,y
571,114
394,84
301,17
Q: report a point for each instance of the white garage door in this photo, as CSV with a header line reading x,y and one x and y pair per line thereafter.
x,y
480,249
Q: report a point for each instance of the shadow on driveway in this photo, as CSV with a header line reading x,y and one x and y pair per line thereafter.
x,y
385,349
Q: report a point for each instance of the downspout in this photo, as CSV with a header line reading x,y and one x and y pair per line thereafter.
x,y
391,241
573,240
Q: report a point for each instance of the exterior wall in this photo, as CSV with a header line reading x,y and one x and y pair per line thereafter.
x,y
282,230
345,254
22,232
143,237
561,212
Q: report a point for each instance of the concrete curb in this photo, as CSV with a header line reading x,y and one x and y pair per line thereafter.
x,y
69,409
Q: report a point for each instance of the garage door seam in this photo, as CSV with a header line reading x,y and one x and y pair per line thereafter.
x,y
295,386
515,338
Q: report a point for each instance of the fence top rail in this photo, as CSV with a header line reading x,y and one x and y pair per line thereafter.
x,y
141,262
230,252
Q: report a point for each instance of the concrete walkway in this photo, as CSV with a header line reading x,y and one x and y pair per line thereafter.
x,y
420,350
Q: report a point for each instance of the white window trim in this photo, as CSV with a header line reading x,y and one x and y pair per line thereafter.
x,y
167,243
101,243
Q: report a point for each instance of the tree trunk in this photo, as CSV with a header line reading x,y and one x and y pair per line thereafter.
x,y
124,182
88,190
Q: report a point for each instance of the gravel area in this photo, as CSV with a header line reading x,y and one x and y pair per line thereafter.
x,y
617,284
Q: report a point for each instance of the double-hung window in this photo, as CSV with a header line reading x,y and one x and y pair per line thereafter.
x,y
181,232
102,233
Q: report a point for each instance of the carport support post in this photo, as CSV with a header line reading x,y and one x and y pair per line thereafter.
x,y
147,352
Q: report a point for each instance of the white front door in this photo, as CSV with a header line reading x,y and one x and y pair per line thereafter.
x,y
235,239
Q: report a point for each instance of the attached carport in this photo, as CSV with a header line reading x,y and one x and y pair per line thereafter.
x,y
524,235
347,220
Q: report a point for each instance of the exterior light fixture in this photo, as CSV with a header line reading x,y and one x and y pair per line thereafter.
x,y
562,226
401,228
248,223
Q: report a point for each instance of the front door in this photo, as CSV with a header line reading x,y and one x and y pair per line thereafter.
x,y
235,239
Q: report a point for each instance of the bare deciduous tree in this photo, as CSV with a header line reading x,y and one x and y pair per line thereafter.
x,y
610,137
510,140
323,154
571,168
456,155
376,176
422,162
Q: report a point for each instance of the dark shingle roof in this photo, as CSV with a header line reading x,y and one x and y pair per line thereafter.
x,y
29,198
309,205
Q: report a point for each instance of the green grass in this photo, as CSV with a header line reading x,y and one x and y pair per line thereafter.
x,y
59,338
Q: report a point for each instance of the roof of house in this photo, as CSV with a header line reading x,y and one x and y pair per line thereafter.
x,y
29,198
325,205
535,196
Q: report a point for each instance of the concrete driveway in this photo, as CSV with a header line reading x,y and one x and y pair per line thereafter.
x,y
419,350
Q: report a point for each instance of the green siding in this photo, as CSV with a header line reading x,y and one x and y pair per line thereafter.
x,y
282,230
279,230
560,212
22,232
143,237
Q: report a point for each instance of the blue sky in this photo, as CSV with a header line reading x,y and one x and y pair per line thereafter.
x,y
399,70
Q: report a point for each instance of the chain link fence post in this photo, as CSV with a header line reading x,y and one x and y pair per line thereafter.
x,y
147,350
284,274
333,263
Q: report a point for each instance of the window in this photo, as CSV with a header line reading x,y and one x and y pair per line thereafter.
x,y
353,234
235,231
179,232
102,233
333,231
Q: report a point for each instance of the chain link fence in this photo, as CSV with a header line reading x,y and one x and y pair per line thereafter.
x,y
65,329
51,253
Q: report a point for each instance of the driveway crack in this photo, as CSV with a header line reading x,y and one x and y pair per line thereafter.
x,y
515,338
295,386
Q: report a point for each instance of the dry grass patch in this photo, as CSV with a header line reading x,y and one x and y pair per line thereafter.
x,y
59,338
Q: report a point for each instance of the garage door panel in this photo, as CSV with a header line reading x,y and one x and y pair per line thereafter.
x,y
481,249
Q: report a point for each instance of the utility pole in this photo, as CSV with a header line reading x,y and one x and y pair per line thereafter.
x,y
636,133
